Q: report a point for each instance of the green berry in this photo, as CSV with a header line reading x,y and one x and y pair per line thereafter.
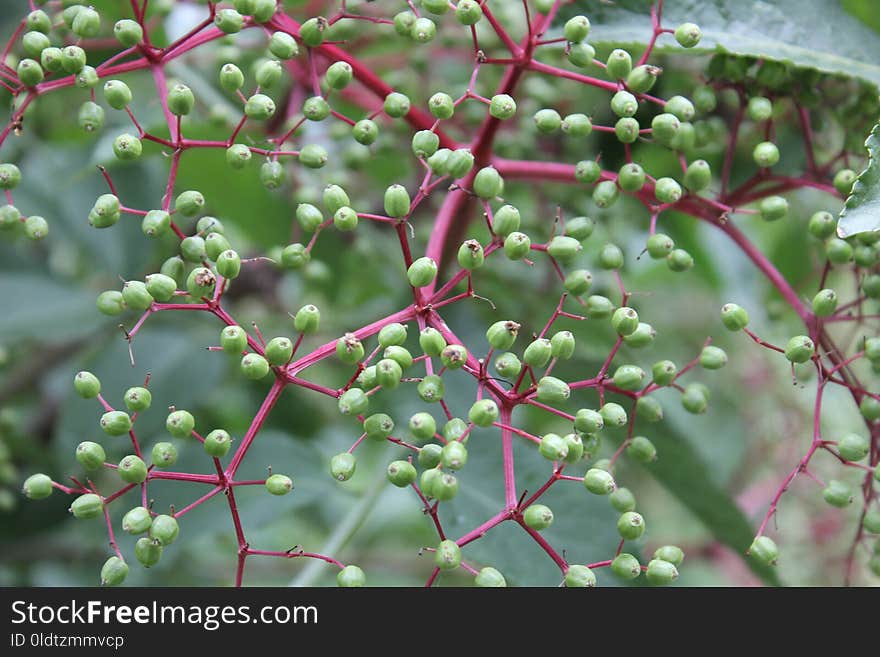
x,y
351,577
547,121
661,573
231,77
838,251
564,249
576,28
86,23
838,494
233,339
713,358
217,443
508,365
444,487
448,555
626,566
180,424
441,105
353,401
90,455
345,219
422,272
73,60
622,500
538,517
843,181
698,176
349,349
517,245
160,287
128,32
38,20
430,455
765,154
553,447
578,576
279,351
641,449
577,125
488,183
627,130
117,94
432,341
396,105
667,190
401,473
132,470
642,78
35,43
734,317
854,447
279,484
575,445
625,320
483,413
611,257
598,307
127,147
423,30
628,377
619,64
37,487
538,353
312,31
164,530
502,106
631,177
552,390
613,414
284,46
665,127
688,35
423,426
470,255
562,345
488,577
870,408
502,334
164,455
342,466
137,399
229,21
397,201
137,521
680,107
663,372
147,552
598,482
468,12
180,100
825,303
113,572
630,525
799,349
460,162
200,283
260,107
86,507
773,208
623,103
425,143
587,171
453,356
86,385
228,264
115,423
588,421
431,388
871,522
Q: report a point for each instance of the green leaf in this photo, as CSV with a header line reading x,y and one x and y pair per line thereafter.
x,y
809,33
39,307
861,214
688,477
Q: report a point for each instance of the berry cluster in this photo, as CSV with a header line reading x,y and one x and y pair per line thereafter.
x,y
303,73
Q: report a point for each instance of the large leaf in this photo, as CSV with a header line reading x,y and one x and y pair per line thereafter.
x,y
861,213
809,33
